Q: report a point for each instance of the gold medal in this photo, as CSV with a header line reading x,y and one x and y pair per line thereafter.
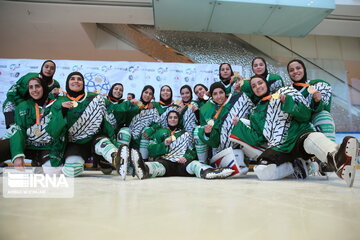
x,y
275,96
210,122
75,104
139,104
97,91
311,90
241,82
236,74
178,102
37,131
173,138
190,106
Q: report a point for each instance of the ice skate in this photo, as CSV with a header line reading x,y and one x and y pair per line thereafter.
x,y
141,170
121,161
344,160
216,173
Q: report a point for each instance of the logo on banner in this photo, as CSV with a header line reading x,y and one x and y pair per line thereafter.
x,y
14,75
134,69
96,82
105,68
190,71
13,67
77,68
162,70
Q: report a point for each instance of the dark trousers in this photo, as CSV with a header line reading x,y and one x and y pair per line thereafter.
x,y
273,156
174,168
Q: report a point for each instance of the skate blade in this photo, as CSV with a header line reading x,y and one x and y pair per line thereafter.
x,y
124,156
348,172
135,161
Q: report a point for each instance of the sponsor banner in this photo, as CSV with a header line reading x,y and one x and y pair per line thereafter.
x,y
100,75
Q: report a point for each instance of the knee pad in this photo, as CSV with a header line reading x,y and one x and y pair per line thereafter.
x,y
49,170
324,122
74,166
124,136
273,172
227,158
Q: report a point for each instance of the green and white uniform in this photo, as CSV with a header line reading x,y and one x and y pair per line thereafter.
x,y
119,115
152,124
237,105
199,103
275,82
229,88
140,123
19,92
38,137
188,120
321,117
163,111
275,123
166,157
181,147
87,119
85,126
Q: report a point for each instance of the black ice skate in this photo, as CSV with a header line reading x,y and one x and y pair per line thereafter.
x,y
106,167
141,170
344,160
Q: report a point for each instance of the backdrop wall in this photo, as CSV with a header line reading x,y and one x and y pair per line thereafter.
x,y
100,75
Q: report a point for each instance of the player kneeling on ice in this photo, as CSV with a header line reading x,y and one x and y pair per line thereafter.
x,y
174,155
282,121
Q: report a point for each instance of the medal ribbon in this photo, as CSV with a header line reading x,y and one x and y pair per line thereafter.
x,y
219,111
302,84
77,98
113,99
164,104
37,113
267,98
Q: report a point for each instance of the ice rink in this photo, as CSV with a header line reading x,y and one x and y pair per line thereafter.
x,y
104,207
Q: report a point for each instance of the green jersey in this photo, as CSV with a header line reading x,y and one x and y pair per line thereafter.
x,y
326,96
87,119
275,123
19,92
180,147
275,82
237,105
37,131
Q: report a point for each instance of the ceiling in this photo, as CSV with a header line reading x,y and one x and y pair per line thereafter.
x,y
71,23
215,16
260,17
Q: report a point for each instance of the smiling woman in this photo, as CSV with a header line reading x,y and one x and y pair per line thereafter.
x,y
88,131
282,122
318,94
217,118
173,152
19,91
34,138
